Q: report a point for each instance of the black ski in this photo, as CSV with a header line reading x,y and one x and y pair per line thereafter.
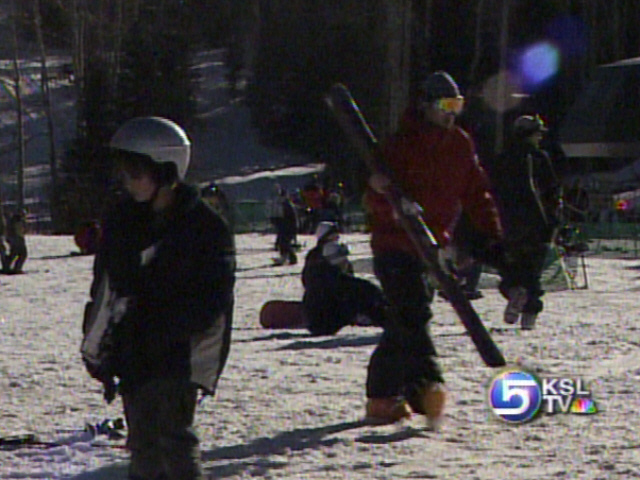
x,y
355,127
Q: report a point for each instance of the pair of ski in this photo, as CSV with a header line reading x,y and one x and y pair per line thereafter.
x,y
355,127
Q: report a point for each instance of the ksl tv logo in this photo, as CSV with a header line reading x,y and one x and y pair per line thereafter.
x,y
517,396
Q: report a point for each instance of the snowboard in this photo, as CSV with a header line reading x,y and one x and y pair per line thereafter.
x,y
355,127
283,314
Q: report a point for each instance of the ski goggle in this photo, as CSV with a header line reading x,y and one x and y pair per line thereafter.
x,y
451,105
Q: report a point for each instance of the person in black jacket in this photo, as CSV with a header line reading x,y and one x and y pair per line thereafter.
x,y
3,232
529,195
285,221
334,297
18,253
164,276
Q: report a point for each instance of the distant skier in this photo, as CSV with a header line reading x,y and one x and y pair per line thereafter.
x,y
285,221
3,232
217,199
17,255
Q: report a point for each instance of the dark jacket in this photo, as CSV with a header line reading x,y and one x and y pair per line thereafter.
x,y
528,193
177,271
334,297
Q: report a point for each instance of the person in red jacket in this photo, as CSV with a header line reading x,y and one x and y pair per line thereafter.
x,y
434,163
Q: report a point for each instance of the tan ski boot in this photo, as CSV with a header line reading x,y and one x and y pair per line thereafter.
x,y
382,411
433,401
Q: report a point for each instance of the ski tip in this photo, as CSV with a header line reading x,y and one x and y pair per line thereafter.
x,y
496,362
339,93
339,86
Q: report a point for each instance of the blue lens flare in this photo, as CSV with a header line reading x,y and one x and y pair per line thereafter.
x,y
538,63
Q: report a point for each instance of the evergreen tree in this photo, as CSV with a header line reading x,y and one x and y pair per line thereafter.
x,y
149,75
156,76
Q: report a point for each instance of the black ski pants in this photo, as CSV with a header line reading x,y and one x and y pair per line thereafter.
x,y
161,438
525,266
404,360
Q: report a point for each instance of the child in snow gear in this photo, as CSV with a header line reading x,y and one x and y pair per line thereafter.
x,y
334,297
528,194
159,327
434,163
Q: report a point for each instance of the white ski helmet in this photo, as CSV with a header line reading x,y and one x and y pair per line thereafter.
x,y
160,139
325,229
336,253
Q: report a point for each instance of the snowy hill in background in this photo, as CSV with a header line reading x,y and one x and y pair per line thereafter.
x,y
224,145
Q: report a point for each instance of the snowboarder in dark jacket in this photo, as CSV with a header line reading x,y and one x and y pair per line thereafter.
x,y
528,194
164,274
334,297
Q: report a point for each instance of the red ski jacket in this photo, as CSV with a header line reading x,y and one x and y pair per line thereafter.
x,y
438,169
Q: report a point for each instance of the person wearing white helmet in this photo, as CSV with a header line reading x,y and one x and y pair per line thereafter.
x,y
167,260
528,193
333,296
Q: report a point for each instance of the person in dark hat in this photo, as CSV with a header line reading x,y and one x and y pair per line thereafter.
x,y
528,193
433,161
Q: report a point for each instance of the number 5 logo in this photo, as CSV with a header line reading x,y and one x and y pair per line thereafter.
x,y
515,396
513,388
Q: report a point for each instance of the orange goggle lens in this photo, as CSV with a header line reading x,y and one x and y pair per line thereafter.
x,y
450,105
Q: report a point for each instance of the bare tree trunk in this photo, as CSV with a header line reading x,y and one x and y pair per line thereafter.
x,y
478,47
396,25
502,76
46,99
79,62
118,34
17,79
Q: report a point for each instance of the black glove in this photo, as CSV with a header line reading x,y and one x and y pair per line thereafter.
x,y
110,389
108,381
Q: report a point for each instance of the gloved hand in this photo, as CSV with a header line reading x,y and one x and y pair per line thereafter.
x,y
446,258
108,381
110,389
410,208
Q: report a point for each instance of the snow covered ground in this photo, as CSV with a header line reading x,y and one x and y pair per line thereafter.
x,y
289,406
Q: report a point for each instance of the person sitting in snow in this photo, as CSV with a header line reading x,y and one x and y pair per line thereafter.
x,y
334,297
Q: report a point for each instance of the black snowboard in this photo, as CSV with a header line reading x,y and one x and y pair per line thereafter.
x,y
355,127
